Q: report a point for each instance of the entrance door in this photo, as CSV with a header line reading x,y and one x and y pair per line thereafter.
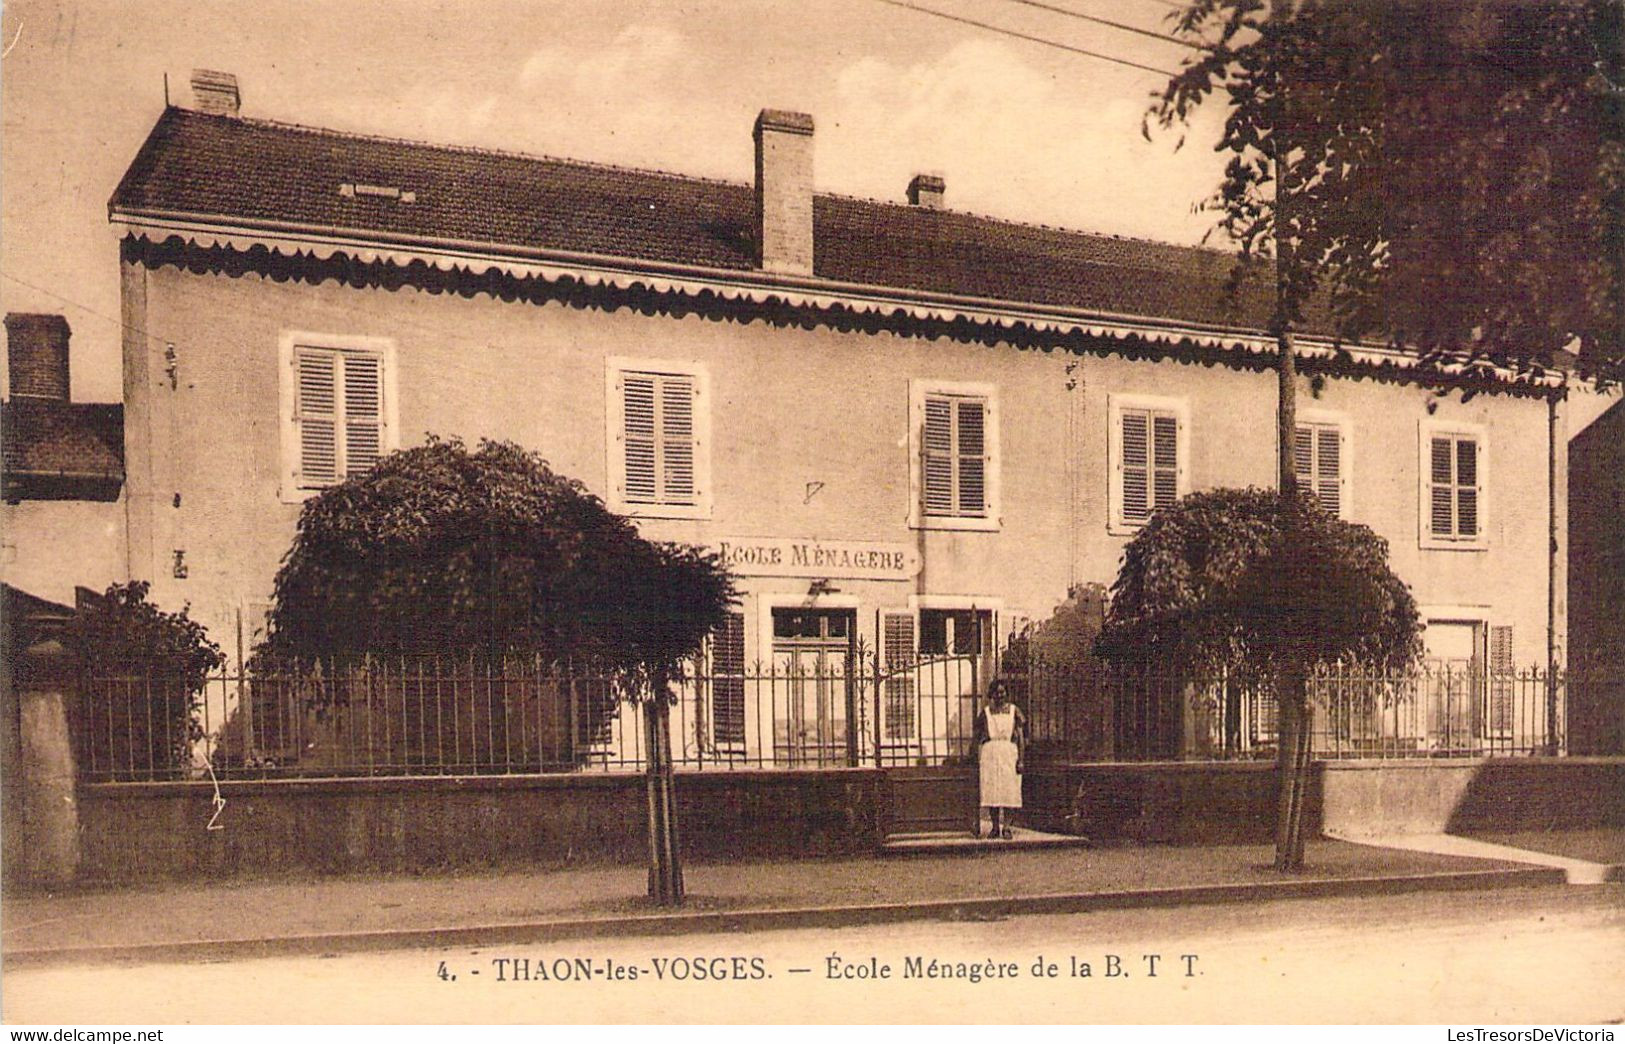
x,y
811,690
1455,662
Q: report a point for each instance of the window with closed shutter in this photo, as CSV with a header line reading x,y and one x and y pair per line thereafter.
x,y
1148,463
1454,492
1317,459
955,460
338,414
728,683
897,647
658,438
1503,682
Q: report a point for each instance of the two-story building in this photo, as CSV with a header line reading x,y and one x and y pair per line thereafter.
x,y
904,427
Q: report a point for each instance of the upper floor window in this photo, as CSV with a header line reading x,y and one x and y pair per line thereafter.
x,y
1452,500
954,471
1320,459
658,433
338,404
1149,457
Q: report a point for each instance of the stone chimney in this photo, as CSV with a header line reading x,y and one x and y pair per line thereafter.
x,y
926,191
37,348
215,93
784,192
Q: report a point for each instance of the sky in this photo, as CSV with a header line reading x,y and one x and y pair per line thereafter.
x,y
1018,130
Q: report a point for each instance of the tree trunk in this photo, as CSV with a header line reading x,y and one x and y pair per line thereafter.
x,y
1292,709
1292,724
668,778
1292,736
665,871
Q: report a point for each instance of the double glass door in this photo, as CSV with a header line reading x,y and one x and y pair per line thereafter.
x,y
812,686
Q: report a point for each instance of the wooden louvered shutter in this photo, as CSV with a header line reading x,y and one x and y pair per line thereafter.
x,y
971,447
1454,492
1328,475
316,405
1442,520
938,456
897,646
363,411
728,683
638,405
1502,680
657,438
1442,516
676,449
1135,463
1466,487
1317,460
1165,459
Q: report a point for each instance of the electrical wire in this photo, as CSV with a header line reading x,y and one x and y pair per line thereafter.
x,y
1028,37
1163,37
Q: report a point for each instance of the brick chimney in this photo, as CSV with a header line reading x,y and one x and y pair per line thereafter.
x,y
37,347
926,191
784,192
215,93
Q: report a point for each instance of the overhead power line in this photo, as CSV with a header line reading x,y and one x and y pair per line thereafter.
x,y
1153,34
1029,38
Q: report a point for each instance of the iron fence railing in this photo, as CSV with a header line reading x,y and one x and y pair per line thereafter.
x,y
439,717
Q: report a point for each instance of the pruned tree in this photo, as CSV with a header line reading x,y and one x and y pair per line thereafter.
x,y
1448,178
1445,178
444,551
1241,583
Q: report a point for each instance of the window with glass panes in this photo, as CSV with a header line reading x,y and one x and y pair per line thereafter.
x,y
957,632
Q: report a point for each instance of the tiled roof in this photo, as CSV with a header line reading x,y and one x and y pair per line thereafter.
x,y
62,450
251,170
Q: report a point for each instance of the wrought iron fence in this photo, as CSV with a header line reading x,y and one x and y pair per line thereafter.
x,y
442,717
439,717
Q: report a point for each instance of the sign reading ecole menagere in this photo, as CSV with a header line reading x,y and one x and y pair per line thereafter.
x,y
787,556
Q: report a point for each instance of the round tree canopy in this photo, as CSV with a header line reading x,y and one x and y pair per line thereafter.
x,y
442,550
1242,580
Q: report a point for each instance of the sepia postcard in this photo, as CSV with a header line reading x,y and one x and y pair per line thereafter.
x,y
739,511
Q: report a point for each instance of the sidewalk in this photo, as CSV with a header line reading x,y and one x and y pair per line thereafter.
x,y
209,920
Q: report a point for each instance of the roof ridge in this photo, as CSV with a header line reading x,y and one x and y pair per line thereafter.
x,y
474,150
1021,223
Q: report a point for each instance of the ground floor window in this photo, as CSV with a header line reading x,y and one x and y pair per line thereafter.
x,y
955,632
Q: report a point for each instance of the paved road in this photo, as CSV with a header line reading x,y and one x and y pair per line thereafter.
x,y
1551,955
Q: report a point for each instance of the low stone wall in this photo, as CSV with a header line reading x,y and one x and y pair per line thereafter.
x,y
1234,802
132,832
1466,795
1163,802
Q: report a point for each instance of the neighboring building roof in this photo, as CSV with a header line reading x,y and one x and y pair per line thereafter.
x,y
54,450
227,169
27,618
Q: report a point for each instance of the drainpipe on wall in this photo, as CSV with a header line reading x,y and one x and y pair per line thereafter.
x,y
1553,745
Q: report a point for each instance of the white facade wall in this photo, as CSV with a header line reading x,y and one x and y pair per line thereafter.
x,y
809,441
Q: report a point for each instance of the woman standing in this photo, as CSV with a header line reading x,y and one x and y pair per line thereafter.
x,y
999,730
